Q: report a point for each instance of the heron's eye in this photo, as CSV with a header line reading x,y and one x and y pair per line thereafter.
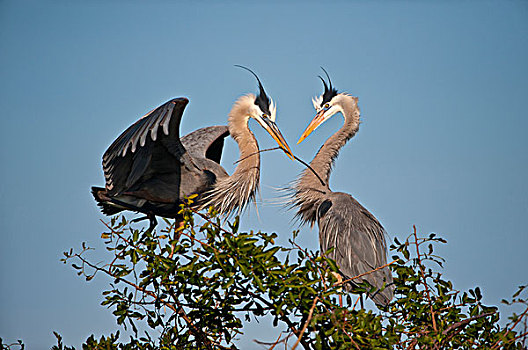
x,y
327,105
265,115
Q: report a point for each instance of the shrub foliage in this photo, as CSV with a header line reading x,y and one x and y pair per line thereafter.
x,y
195,286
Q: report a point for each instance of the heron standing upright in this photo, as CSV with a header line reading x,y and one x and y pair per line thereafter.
x,y
357,237
149,169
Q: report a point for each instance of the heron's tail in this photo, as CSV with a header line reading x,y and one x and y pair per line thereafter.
x,y
104,202
383,297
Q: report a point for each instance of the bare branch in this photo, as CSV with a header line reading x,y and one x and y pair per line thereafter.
x,y
306,323
422,274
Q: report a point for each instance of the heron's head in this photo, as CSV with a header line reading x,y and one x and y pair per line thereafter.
x,y
263,110
326,105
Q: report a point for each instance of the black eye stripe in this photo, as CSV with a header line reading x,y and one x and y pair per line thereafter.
x,y
328,95
263,102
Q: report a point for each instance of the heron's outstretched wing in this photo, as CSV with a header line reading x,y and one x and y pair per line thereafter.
x,y
129,156
206,142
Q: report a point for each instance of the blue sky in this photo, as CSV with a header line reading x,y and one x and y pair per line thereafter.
x,y
442,89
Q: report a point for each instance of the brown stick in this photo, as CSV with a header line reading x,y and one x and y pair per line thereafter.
x,y
365,273
284,318
323,281
424,280
199,334
294,156
465,322
306,323
512,327
349,337
457,325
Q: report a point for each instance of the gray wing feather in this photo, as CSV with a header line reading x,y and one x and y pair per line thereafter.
x,y
128,157
141,160
359,242
206,142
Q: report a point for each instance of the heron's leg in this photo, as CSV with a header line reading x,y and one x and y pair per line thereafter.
x,y
153,221
339,281
361,299
178,226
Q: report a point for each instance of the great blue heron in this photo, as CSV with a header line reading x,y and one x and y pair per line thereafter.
x,y
357,237
149,169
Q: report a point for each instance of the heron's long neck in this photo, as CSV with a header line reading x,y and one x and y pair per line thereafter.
x,y
248,170
324,159
234,192
309,193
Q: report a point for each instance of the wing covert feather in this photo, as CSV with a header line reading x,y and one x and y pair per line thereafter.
x,y
206,142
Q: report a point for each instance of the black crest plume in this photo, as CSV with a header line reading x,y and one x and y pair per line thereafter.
x,y
329,90
262,99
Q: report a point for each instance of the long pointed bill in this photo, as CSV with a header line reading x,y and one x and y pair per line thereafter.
x,y
316,121
274,131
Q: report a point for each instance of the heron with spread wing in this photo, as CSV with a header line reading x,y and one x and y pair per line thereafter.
x,y
150,169
357,237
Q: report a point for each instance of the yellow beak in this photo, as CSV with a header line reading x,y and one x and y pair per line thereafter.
x,y
316,121
274,131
